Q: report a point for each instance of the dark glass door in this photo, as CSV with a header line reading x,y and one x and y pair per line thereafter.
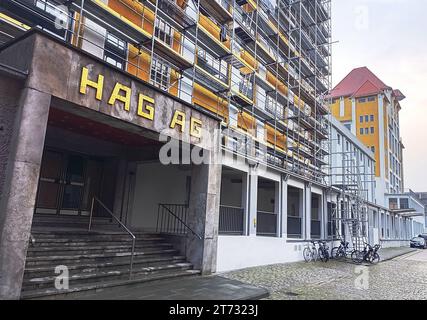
x,y
68,182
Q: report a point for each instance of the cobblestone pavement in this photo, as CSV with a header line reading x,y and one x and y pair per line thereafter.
x,y
404,277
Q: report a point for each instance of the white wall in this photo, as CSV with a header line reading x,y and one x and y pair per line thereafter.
x,y
156,184
244,252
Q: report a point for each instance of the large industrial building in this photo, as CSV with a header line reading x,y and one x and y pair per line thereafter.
x,y
370,109
107,80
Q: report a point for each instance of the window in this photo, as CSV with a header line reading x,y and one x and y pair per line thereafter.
x,y
115,51
362,100
348,126
160,73
371,99
53,15
366,118
372,117
366,130
361,119
339,139
234,113
373,149
260,131
393,203
163,32
372,130
361,131
404,203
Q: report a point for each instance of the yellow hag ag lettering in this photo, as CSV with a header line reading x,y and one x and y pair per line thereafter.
x,y
145,107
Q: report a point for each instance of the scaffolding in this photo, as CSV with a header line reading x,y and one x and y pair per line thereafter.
x,y
353,181
263,66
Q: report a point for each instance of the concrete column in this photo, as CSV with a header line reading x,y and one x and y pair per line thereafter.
x,y
278,207
203,215
245,201
18,201
324,216
284,214
253,199
307,215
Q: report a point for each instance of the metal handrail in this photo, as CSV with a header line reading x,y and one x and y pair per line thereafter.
x,y
180,220
120,224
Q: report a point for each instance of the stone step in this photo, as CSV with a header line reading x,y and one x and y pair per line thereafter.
x,y
54,233
51,293
90,249
46,270
69,237
86,258
68,243
110,275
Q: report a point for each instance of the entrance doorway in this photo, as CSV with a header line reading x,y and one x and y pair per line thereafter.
x,y
68,182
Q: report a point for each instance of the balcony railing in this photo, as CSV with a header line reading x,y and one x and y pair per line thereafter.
x,y
231,220
316,229
266,224
294,227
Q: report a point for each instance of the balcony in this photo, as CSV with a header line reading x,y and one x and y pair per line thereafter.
x,y
218,9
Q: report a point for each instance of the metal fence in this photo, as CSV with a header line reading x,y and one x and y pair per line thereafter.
x,y
294,227
231,220
266,223
172,219
316,229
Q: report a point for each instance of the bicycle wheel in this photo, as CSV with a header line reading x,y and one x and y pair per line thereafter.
x,y
375,258
357,256
315,254
335,253
322,255
308,255
326,255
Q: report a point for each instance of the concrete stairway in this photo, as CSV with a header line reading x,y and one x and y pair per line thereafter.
x,y
97,260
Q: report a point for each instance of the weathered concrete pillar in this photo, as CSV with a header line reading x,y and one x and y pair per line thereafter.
x,y
203,216
253,201
21,180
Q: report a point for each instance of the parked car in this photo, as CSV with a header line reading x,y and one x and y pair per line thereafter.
x,y
424,236
418,242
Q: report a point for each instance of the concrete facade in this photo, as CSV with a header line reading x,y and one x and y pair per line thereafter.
x,y
46,86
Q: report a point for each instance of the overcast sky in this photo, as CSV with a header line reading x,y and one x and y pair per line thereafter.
x,y
390,38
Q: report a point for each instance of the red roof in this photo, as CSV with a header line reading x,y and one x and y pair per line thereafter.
x,y
399,95
359,82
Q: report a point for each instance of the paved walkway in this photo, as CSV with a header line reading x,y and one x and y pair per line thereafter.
x,y
391,253
286,281
192,288
397,277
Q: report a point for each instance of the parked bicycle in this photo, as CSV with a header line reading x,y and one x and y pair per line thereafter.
x,y
310,252
342,251
323,251
369,254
